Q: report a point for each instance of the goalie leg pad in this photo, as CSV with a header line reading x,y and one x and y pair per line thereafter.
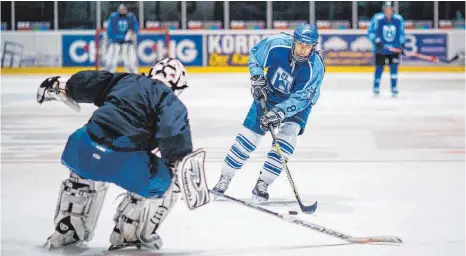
x,y
138,218
78,208
130,58
112,56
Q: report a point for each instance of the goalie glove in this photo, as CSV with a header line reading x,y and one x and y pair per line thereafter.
x,y
47,89
51,89
130,37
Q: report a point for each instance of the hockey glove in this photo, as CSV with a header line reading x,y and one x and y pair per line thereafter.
x,y
50,90
47,90
378,44
130,37
258,87
272,119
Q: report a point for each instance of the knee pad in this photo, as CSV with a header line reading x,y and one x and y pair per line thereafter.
x,y
287,136
81,200
246,140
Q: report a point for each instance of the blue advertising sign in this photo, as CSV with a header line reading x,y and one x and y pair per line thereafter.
x,y
427,44
356,49
80,50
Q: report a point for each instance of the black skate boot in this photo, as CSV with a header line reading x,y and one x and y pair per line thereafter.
x,y
259,193
222,184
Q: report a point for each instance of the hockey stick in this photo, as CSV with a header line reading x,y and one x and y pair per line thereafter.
x,y
315,227
422,56
306,209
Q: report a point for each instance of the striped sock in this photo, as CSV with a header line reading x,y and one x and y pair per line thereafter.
x,y
272,165
245,143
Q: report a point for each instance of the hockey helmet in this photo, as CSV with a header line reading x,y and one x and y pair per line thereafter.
x,y
304,34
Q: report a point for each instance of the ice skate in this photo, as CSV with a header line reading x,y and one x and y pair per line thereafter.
x,y
222,184
259,193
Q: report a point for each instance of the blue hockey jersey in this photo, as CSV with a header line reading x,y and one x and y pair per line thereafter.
x,y
292,86
390,32
118,25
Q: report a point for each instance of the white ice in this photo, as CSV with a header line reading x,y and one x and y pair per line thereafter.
x,y
377,166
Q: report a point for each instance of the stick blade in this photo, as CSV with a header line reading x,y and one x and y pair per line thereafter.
x,y
376,239
454,58
308,209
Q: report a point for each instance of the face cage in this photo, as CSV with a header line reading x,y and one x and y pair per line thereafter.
x,y
299,58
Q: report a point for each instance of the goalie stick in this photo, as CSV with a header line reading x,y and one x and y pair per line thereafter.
x,y
422,56
313,226
306,209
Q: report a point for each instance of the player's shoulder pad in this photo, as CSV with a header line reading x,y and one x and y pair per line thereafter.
x,y
114,14
378,16
397,16
317,62
130,14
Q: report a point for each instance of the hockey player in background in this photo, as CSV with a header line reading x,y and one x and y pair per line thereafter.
x,y
136,114
386,29
122,29
290,89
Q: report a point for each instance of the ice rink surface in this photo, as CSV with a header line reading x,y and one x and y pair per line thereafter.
x,y
377,166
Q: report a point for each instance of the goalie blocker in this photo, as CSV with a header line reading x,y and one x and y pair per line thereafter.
x,y
193,180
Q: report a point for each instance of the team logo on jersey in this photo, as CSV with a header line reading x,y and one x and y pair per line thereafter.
x,y
389,32
282,81
122,25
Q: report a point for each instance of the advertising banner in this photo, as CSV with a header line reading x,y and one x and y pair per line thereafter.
x,y
214,48
80,50
230,49
30,49
346,50
427,44
356,49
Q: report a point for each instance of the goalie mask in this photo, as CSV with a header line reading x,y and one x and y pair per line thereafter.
x,y
171,72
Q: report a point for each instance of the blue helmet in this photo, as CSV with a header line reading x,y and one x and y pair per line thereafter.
x,y
307,34
387,4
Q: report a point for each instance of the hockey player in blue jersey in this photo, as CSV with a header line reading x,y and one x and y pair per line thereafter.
x,y
386,29
136,114
290,89
122,29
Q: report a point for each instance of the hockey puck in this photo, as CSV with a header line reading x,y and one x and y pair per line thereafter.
x,y
293,212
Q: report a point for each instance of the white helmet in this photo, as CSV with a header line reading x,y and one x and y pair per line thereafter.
x,y
171,72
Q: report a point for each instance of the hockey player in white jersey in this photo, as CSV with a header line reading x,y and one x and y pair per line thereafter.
x,y
122,29
290,89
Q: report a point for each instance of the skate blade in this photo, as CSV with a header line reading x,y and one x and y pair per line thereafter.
x,y
125,245
49,246
258,200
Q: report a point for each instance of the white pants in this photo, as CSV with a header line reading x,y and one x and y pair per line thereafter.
x,y
127,52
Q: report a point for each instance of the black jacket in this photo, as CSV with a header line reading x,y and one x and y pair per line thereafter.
x,y
135,113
